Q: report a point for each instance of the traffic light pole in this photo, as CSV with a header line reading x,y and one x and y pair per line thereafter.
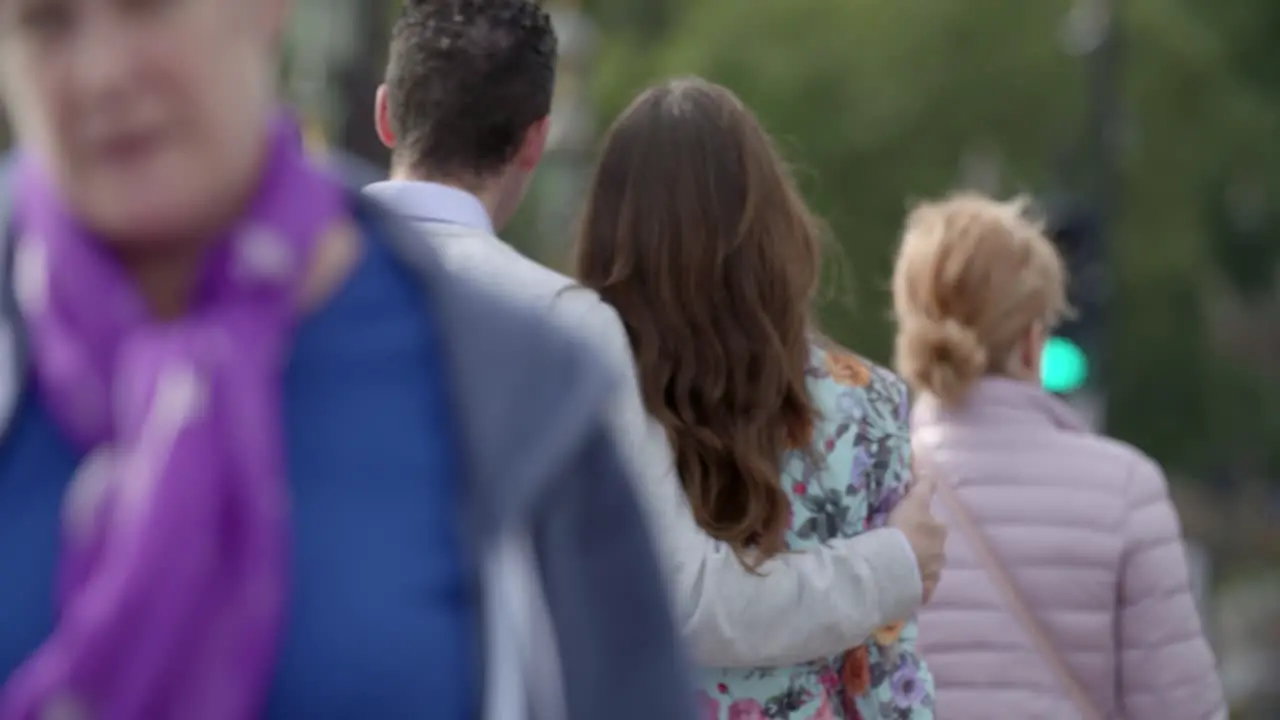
x,y
1105,121
1103,143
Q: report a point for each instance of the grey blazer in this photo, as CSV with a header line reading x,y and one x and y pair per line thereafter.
x,y
577,623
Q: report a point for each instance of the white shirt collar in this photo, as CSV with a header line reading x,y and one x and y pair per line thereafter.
x,y
432,202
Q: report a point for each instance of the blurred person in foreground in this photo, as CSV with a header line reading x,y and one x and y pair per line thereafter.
x,y
465,110
1076,529
696,234
261,455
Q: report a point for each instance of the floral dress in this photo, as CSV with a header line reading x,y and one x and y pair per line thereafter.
x,y
855,472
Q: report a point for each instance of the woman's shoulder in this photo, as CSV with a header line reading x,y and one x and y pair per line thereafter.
x,y
857,462
1142,478
1095,463
846,386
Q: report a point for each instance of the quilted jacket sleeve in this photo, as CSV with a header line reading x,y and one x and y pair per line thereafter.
x,y
729,617
1167,670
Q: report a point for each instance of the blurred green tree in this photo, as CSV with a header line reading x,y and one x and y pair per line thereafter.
x,y
1250,30
880,103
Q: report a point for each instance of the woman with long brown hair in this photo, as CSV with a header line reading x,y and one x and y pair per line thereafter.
x,y
696,234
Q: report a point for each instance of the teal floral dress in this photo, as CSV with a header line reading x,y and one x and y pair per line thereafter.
x,y
850,479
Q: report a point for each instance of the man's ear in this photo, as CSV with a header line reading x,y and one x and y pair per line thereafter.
x,y
382,118
535,143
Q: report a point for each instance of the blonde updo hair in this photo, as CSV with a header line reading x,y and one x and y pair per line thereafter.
x,y
973,276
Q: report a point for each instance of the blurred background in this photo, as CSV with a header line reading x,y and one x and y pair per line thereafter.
x,y
1146,130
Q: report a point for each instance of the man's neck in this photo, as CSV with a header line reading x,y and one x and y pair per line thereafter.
x,y
166,278
486,193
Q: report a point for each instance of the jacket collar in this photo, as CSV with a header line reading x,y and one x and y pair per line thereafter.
x,y
432,202
1000,400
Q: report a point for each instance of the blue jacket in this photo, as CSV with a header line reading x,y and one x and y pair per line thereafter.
x,y
577,623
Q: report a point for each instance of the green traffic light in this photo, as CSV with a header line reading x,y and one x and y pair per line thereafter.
x,y
1063,366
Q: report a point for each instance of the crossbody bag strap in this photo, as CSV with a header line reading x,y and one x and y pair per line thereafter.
x,y
963,522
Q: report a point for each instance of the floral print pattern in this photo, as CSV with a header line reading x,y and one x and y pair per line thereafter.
x,y
847,482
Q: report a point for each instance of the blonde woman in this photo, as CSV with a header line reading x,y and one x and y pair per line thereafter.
x,y
1068,594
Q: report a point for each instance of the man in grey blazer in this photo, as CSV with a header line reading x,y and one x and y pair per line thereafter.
x,y
465,111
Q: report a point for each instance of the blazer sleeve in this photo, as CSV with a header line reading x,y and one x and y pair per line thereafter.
x,y
840,592
621,655
1167,669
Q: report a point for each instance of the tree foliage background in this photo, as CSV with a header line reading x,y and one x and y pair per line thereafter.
x,y
877,103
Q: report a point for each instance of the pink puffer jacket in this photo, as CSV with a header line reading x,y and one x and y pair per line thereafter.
x,y
1086,529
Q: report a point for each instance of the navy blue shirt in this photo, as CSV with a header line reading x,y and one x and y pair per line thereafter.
x,y
383,617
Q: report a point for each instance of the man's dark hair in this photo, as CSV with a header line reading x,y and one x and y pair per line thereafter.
x,y
466,80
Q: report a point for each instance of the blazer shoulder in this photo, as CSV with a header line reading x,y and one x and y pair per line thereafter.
x,y
525,389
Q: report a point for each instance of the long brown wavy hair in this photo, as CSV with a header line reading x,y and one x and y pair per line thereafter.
x,y
695,232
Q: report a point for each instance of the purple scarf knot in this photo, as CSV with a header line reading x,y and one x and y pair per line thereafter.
x,y
172,583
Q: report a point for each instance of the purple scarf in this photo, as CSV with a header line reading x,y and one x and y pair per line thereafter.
x,y
172,582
